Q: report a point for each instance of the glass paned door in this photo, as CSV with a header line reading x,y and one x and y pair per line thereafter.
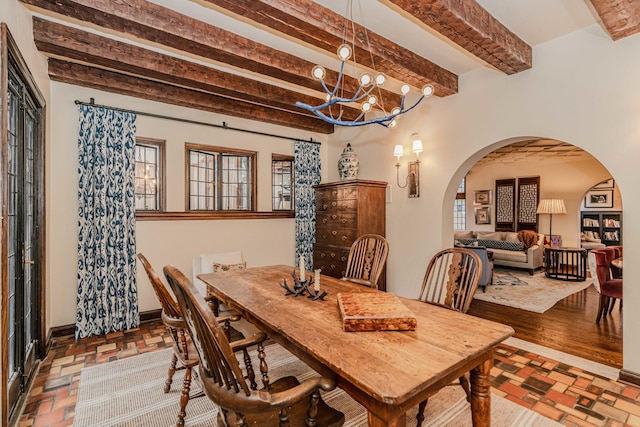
x,y
24,289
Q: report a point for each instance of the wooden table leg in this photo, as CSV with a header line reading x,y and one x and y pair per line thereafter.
x,y
481,393
374,421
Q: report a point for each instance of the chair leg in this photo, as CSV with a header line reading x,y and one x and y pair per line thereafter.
x,y
420,416
184,398
251,375
611,305
172,370
601,307
464,382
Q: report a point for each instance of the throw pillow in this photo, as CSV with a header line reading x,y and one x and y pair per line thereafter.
x,y
207,260
228,267
511,237
490,235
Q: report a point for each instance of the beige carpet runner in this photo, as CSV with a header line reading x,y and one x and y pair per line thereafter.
x,y
535,293
128,392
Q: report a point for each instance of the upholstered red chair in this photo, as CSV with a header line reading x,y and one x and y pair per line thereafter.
x,y
607,287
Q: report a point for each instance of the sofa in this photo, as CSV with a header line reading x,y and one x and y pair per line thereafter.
x,y
508,250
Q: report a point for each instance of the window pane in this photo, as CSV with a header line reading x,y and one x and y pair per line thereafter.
x,y
148,175
281,182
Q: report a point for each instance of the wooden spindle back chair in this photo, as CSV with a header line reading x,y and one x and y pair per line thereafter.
x,y
367,258
451,281
281,403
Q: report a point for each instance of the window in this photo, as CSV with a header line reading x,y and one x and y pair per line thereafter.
x,y
149,179
282,183
220,179
460,208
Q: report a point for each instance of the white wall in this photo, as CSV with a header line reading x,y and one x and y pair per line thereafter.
x,y
583,89
262,241
558,180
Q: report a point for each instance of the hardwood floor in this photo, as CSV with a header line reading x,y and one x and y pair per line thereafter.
x,y
569,326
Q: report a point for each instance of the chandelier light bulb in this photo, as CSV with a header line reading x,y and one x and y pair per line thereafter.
x,y
428,90
395,110
393,123
405,89
380,79
327,97
344,52
318,72
365,79
366,107
372,100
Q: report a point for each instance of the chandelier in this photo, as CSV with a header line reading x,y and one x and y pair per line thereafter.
x,y
368,93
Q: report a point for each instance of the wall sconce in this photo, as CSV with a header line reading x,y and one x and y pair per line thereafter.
x,y
413,178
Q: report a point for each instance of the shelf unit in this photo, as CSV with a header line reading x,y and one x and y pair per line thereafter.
x,y
604,225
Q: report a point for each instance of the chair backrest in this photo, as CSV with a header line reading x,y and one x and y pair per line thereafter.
x,y
168,303
452,279
218,363
599,267
367,258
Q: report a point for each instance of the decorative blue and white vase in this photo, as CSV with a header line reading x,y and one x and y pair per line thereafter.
x,y
348,164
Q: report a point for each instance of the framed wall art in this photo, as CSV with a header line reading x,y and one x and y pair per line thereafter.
x,y
482,197
609,183
599,199
483,215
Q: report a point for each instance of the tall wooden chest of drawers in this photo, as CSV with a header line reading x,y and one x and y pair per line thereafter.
x,y
346,210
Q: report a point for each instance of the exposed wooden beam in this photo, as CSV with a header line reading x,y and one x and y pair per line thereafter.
x,y
323,28
59,40
621,18
159,25
109,81
471,27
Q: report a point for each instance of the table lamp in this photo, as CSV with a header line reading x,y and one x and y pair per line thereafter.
x,y
551,206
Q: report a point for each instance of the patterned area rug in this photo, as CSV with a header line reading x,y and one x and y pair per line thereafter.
x,y
129,393
532,293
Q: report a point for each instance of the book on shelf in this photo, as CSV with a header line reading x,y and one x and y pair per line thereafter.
x,y
591,234
611,235
590,222
610,222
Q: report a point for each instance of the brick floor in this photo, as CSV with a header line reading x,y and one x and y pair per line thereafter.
x,y
558,391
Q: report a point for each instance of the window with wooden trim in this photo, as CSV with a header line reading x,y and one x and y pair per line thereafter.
x,y
281,183
149,175
460,207
220,179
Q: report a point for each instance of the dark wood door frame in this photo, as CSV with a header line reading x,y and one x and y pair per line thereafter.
x,y
9,53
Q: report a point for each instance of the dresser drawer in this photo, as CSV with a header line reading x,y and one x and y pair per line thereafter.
x,y
332,262
335,236
333,220
326,205
350,192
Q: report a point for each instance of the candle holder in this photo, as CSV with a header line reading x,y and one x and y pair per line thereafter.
x,y
302,288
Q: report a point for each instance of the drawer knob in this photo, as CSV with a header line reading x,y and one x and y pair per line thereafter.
x,y
322,255
344,238
333,266
344,206
324,220
334,203
333,255
344,258
334,232
324,236
334,216
325,206
344,220
334,192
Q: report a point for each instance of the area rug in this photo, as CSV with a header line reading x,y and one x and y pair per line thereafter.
x,y
532,293
128,393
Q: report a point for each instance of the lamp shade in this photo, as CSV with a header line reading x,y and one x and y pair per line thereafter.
x,y
398,151
551,206
417,146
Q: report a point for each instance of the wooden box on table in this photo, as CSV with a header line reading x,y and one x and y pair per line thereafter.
x,y
374,311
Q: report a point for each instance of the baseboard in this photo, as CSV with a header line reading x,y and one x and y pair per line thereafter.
x,y
67,330
629,377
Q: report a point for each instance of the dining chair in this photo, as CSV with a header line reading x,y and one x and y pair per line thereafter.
x,y
183,349
451,280
367,258
607,286
285,402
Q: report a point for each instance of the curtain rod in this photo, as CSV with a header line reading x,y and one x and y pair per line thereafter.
x,y
224,125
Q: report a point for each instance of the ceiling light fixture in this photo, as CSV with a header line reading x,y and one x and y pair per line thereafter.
x,y
368,93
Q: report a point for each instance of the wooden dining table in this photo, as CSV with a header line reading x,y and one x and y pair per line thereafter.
x,y
388,372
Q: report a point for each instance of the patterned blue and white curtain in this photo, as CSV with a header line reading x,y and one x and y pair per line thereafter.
x,y
107,294
307,174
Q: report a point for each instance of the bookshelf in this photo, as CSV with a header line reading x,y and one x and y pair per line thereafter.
x,y
604,225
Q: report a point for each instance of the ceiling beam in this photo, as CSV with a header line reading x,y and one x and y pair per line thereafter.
x,y
161,26
474,29
59,40
109,81
621,18
324,29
